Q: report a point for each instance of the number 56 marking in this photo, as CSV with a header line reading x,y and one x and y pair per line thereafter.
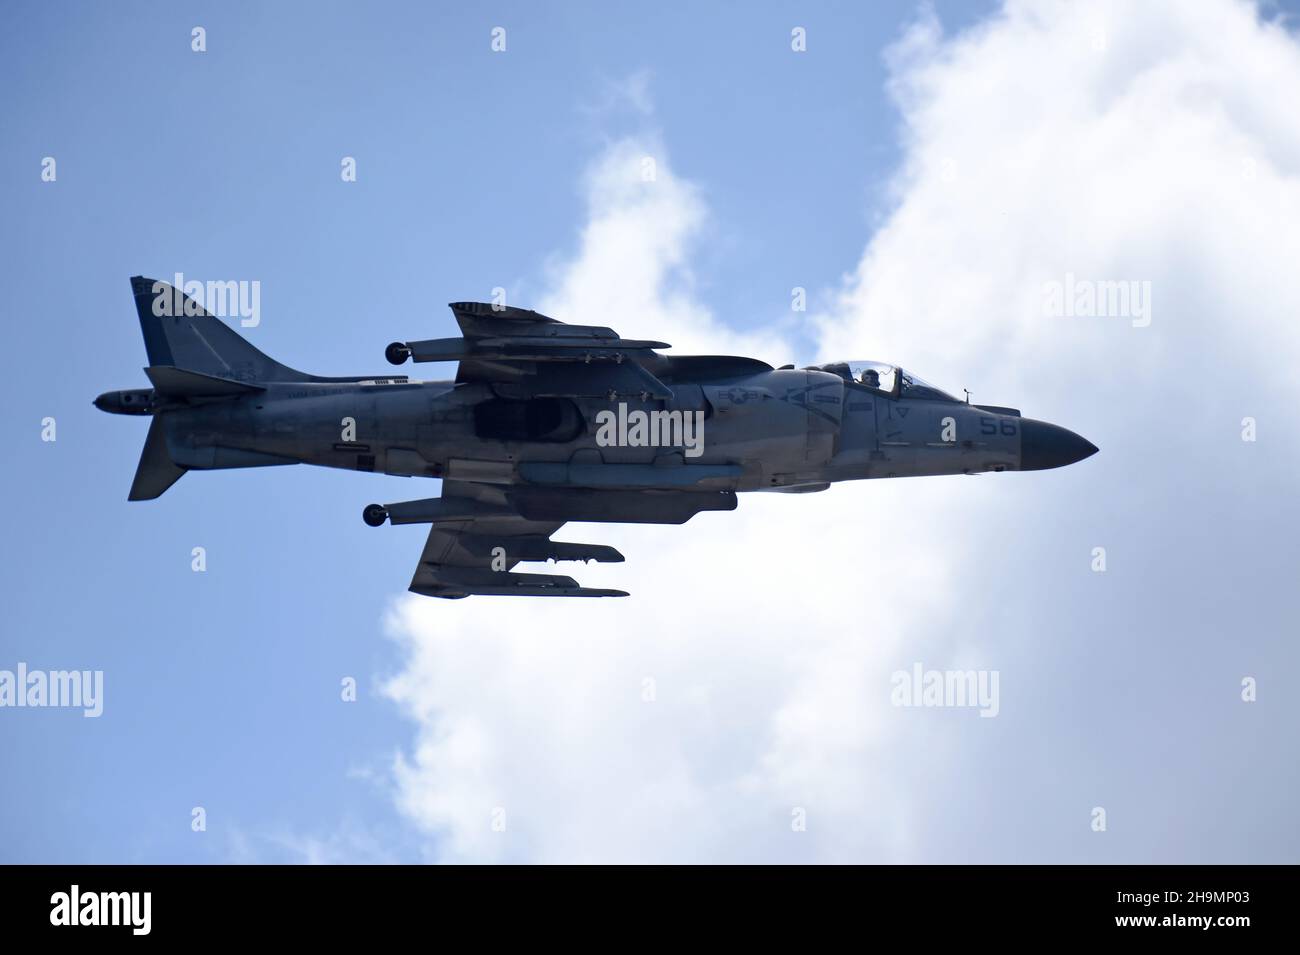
x,y
994,426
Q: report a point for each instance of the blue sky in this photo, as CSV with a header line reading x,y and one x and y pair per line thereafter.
x,y
475,170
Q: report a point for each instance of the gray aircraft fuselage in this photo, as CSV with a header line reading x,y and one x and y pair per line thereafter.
x,y
786,429
548,423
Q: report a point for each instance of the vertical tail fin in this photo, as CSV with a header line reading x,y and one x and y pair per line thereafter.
x,y
192,357
179,332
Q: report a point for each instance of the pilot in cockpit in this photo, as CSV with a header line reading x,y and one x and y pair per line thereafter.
x,y
871,378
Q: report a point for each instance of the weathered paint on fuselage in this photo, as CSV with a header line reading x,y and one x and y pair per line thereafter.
x,y
787,429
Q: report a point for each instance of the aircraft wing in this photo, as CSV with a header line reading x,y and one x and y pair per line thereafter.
x,y
481,531
524,354
478,537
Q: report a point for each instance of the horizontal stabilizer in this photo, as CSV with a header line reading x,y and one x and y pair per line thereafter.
x,y
179,383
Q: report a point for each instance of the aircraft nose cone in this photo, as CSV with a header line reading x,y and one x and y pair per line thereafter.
x,y
1044,446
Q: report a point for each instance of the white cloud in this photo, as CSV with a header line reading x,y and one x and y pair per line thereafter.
x,y
632,269
349,843
761,703
1108,141
1111,141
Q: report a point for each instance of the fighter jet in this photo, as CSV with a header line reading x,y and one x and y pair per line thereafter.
x,y
547,423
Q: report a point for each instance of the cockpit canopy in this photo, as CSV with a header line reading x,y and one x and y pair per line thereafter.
x,y
884,379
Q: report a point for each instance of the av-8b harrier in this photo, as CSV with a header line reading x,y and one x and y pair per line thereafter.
x,y
547,423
